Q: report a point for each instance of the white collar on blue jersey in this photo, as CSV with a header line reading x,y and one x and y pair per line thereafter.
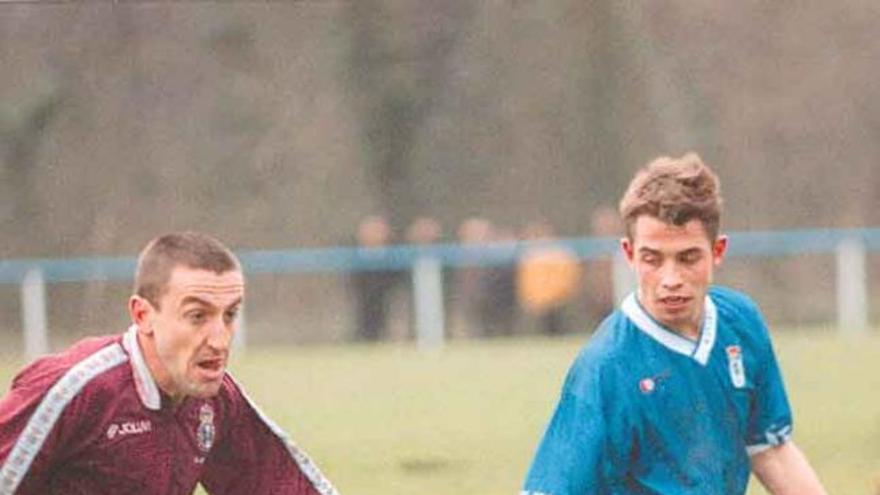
x,y
699,350
143,379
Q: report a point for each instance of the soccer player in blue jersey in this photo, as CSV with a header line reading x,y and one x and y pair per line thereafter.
x,y
678,391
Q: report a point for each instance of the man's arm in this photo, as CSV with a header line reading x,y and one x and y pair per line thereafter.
x,y
784,470
27,444
780,466
569,457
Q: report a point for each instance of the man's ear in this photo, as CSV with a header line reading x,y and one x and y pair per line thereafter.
x,y
719,249
141,312
626,246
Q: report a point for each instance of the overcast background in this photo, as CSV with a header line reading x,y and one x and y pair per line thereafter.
x,y
279,125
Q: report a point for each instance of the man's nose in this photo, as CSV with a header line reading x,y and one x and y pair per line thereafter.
x,y
220,334
670,278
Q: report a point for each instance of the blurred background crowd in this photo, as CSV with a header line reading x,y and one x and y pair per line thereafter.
x,y
540,292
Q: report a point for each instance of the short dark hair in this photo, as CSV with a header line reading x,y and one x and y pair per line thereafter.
x,y
166,252
674,191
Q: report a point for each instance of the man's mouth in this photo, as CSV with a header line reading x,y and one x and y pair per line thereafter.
x,y
211,367
674,302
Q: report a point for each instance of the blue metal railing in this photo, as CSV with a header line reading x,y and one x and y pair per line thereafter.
x,y
401,257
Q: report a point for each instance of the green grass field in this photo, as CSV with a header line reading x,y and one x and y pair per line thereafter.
x,y
390,419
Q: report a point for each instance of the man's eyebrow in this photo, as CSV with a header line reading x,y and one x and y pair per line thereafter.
x,y
203,302
689,251
683,252
194,300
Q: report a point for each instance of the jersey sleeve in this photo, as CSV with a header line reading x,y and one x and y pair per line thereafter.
x,y
31,437
254,456
770,418
568,458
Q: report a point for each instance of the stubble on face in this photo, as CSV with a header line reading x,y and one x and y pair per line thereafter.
x,y
192,331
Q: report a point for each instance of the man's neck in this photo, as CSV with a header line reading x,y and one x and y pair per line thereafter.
x,y
690,330
157,370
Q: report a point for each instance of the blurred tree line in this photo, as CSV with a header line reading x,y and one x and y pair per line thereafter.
x,y
278,125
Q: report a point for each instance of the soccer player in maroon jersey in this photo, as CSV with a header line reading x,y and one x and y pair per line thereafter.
x,y
152,411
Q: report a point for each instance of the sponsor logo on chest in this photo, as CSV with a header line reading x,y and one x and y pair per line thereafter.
x,y
129,428
649,384
735,366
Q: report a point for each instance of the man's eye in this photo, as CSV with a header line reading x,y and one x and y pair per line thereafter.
x,y
690,258
195,317
651,259
231,315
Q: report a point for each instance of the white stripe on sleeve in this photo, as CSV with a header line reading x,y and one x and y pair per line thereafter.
x,y
40,424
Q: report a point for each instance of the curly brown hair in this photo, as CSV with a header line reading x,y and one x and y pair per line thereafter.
x,y
675,191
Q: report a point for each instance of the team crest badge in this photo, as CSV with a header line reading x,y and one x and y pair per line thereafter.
x,y
736,367
206,432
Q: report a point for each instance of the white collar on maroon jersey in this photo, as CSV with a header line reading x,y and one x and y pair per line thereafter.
x,y
143,379
698,350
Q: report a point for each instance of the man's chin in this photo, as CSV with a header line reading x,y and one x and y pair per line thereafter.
x,y
205,390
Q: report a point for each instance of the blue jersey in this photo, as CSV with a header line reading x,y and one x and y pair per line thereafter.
x,y
647,411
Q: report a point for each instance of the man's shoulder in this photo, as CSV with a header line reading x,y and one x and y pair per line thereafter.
x,y
609,345
611,338
235,405
45,371
731,302
738,313
231,396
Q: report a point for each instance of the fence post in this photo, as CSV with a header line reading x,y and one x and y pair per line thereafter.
x,y
33,314
427,276
852,287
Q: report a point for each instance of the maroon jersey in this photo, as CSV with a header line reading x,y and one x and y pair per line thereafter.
x,y
92,421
